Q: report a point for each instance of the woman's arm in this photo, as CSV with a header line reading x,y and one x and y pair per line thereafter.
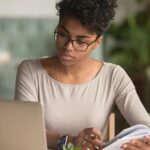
x,y
25,89
131,107
89,138
128,100
52,138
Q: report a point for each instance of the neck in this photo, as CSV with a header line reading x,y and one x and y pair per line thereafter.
x,y
79,73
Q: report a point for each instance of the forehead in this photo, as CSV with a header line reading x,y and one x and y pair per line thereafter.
x,y
74,26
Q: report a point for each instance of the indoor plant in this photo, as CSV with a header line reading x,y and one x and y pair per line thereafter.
x,y
70,146
130,47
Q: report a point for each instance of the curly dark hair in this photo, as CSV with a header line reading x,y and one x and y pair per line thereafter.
x,y
95,15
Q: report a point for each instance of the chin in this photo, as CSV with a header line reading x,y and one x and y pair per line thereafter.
x,y
66,63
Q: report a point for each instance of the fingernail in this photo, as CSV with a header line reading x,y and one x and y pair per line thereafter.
x,y
147,136
92,135
133,141
124,146
96,147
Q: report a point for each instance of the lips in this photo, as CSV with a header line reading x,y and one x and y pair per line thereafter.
x,y
66,57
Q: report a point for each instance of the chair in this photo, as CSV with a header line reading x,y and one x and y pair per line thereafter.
x,y
110,130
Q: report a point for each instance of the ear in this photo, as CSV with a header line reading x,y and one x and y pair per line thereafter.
x,y
97,42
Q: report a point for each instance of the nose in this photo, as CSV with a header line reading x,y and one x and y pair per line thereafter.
x,y
69,46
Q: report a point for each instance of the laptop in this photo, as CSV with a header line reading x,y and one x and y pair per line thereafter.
x,y
21,126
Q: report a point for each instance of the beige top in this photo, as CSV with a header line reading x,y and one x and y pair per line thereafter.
x,y
69,108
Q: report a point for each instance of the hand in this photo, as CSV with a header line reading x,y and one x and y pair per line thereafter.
x,y
89,139
139,144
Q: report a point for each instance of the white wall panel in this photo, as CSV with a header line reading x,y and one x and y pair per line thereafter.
x,y
27,8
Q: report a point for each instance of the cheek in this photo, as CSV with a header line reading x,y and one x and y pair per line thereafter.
x,y
82,56
89,50
79,56
58,47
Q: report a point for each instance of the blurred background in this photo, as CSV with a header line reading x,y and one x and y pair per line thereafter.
x,y
26,31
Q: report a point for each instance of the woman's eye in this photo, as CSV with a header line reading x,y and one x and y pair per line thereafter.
x,y
62,35
80,42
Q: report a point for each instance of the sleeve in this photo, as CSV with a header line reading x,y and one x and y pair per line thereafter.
x,y
128,100
25,86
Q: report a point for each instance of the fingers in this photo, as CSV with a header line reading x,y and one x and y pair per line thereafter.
x,y
90,138
93,131
96,143
88,146
147,140
129,146
138,144
81,139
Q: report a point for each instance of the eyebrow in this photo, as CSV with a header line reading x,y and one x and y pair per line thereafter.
x,y
78,36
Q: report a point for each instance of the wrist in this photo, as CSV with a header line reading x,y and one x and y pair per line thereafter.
x,y
72,140
62,141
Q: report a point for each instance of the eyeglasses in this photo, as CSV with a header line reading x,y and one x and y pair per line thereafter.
x,y
77,44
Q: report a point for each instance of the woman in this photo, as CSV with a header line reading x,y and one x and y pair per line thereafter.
x,y
77,92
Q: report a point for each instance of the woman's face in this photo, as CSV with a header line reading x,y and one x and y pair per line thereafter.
x,y
73,41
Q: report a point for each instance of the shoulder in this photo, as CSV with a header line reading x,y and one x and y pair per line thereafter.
x,y
114,69
34,66
30,63
29,66
119,78
114,73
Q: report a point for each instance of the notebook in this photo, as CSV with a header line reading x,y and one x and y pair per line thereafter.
x,y
134,132
21,126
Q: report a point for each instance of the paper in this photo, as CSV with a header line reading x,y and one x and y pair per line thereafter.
x,y
134,132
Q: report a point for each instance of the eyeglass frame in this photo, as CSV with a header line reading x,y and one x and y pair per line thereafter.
x,y
72,40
